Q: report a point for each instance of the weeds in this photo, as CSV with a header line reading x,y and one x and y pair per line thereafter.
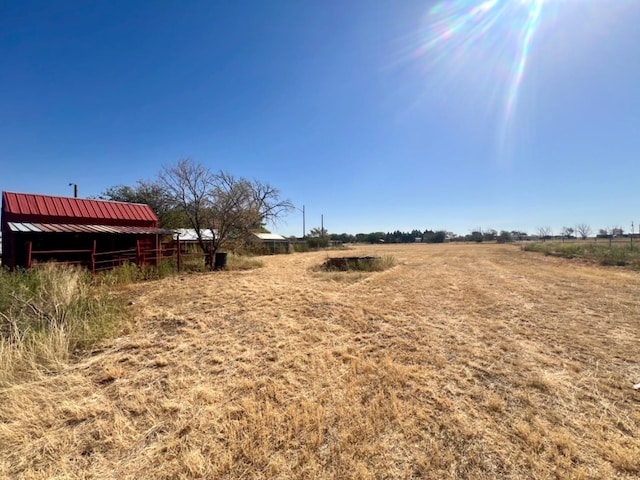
x,y
131,273
359,264
242,262
616,255
46,315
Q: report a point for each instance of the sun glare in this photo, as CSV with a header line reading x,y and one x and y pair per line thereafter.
x,y
454,28
478,54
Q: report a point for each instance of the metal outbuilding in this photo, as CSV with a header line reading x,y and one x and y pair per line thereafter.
x,y
96,233
272,242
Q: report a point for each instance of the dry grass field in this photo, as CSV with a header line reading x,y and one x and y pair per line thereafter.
x,y
461,362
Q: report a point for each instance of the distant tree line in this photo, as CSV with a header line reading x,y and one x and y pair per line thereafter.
x,y
580,231
427,236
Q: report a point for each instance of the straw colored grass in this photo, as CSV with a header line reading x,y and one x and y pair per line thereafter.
x,y
462,361
47,315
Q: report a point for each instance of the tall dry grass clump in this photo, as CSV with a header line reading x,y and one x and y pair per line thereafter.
x,y
616,254
47,314
242,262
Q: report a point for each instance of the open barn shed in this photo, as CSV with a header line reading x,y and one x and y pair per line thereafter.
x,y
96,233
272,242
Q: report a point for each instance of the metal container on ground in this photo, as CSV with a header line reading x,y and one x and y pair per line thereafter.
x,y
220,261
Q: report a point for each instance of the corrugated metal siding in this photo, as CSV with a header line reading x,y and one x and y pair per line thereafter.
x,y
26,227
190,235
25,207
269,236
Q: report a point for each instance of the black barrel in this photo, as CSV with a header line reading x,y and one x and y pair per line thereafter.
x,y
220,261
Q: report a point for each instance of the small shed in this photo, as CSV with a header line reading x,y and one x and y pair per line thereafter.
x,y
272,242
187,238
97,233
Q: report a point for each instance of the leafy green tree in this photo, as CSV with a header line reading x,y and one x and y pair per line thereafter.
x,y
318,238
149,193
375,237
430,236
342,237
490,235
567,232
505,237
476,236
318,232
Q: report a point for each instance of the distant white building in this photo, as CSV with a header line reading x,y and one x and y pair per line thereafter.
x,y
190,235
272,242
273,237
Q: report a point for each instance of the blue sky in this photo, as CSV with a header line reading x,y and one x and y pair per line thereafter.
x,y
363,111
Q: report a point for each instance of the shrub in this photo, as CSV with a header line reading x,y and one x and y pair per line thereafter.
x,y
616,255
300,247
242,262
359,264
315,243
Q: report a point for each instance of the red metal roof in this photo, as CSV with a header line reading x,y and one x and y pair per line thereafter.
x,y
26,207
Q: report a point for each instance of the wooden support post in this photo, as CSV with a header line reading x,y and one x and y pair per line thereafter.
x,y
93,257
29,250
157,261
12,261
138,253
179,252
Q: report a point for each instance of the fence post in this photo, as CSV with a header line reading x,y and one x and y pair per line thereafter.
x,y
138,253
157,262
93,258
179,248
12,260
29,250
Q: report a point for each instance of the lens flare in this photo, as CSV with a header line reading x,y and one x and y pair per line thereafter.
x,y
454,28
529,30
475,59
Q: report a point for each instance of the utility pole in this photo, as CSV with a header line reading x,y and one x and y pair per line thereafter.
x,y
304,230
75,189
322,225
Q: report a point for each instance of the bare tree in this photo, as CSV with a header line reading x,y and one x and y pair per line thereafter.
x,y
188,187
231,207
234,213
266,200
583,230
617,231
544,232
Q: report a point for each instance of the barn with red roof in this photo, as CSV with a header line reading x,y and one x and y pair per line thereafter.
x,y
97,233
